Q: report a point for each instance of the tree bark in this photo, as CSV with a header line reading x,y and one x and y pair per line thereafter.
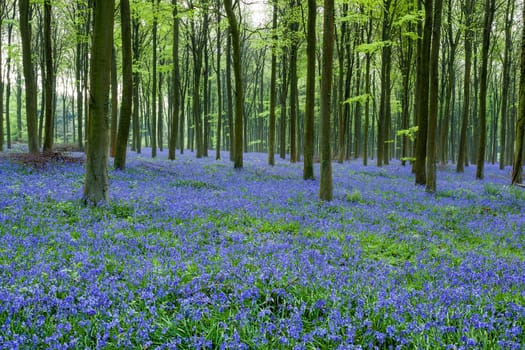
x,y
517,176
114,104
127,87
96,188
29,75
273,83
308,170
176,84
325,187
509,20
237,73
422,97
433,98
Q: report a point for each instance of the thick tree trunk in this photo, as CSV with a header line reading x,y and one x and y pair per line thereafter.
x,y
517,176
308,170
96,188
127,87
490,8
325,187
29,75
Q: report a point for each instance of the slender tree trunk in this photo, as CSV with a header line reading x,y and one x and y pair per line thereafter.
x,y
96,188
284,93
237,72
49,80
127,87
114,104
308,171
509,20
176,84
433,98
368,95
294,48
229,96
490,8
422,97
137,129
154,82
2,138
273,83
325,187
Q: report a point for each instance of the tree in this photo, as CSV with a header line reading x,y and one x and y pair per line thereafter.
x,y
155,4
273,83
96,187
176,84
237,73
505,87
29,76
49,80
308,171
325,189
490,8
520,123
433,98
468,10
127,87
422,90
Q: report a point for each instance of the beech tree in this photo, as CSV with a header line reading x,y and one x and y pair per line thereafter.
x,y
96,186
325,189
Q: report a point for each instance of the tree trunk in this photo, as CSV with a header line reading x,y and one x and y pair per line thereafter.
x,y
29,75
273,83
96,188
308,171
422,97
433,98
490,7
137,130
509,20
127,87
237,72
176,84
154,82
517,176
325,187
114,104
49,80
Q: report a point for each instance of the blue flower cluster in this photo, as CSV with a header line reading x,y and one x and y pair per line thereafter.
x,y
191,254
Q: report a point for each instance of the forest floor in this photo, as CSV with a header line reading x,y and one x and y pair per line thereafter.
x,y
191,254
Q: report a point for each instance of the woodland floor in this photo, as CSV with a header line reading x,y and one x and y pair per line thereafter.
x,y
191,254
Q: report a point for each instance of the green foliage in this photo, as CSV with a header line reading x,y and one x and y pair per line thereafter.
x,y
411,132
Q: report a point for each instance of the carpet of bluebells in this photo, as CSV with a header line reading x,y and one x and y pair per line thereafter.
x,y
191,254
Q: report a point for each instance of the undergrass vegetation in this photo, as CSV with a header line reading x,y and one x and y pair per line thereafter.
x,y
190,254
